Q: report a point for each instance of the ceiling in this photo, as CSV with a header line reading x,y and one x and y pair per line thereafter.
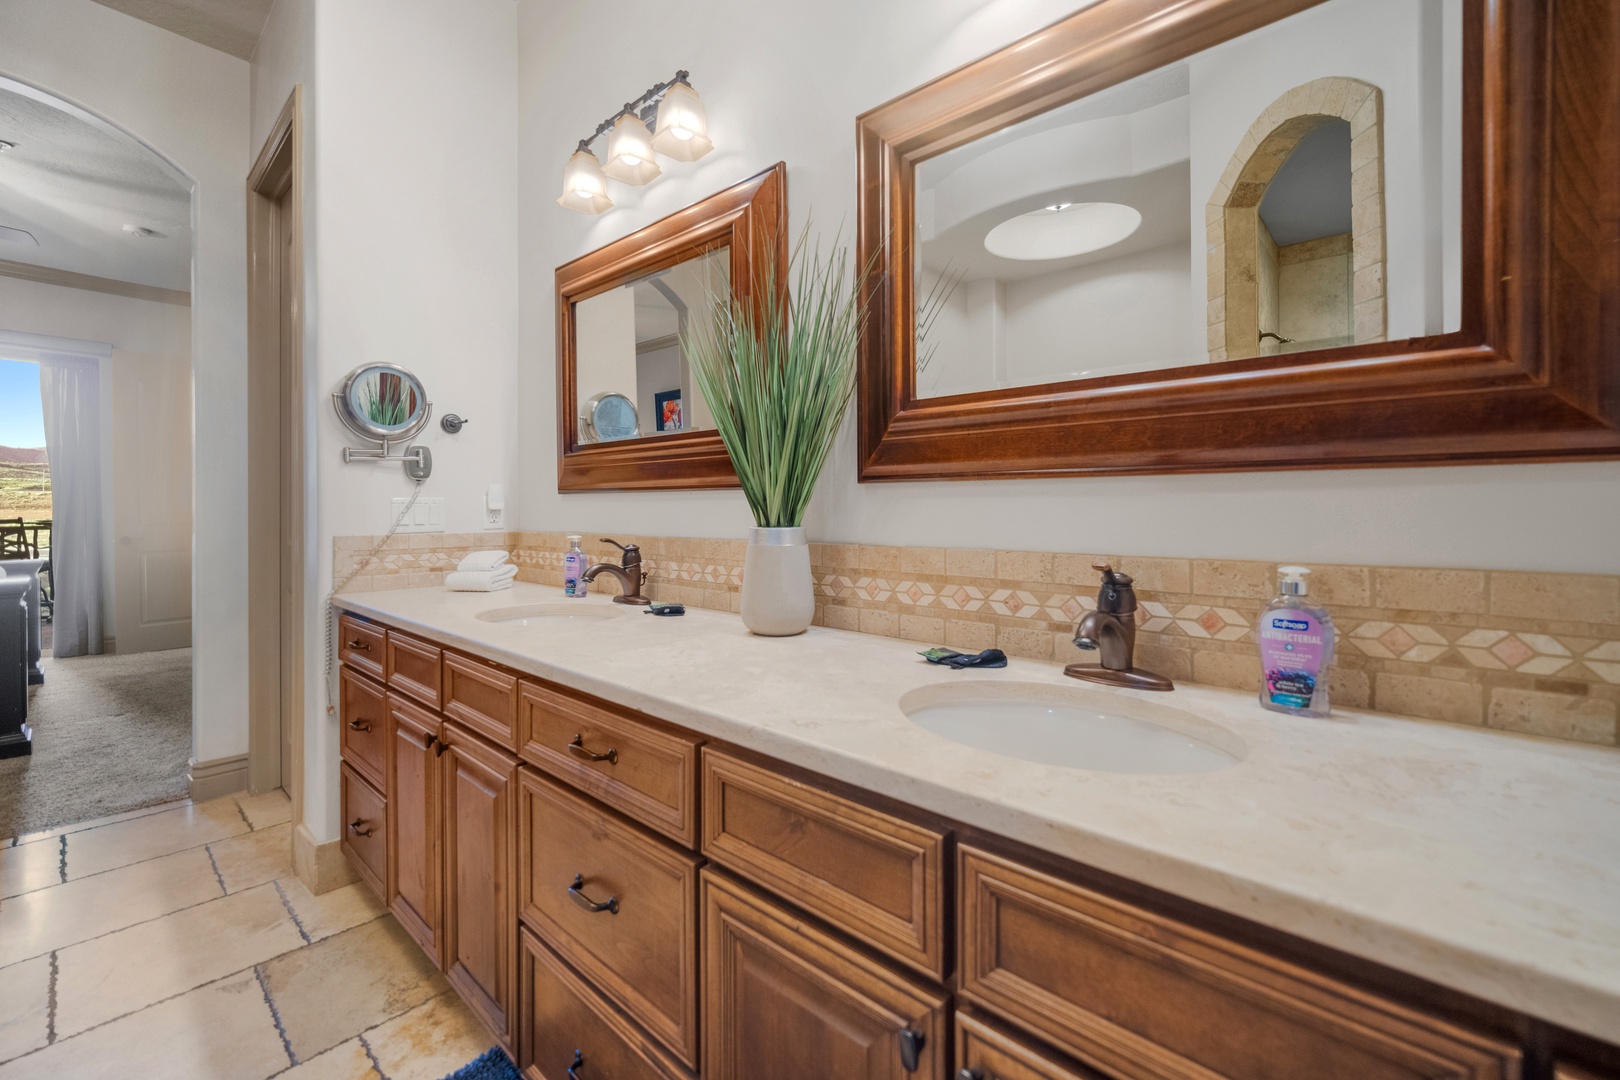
x,y
74,182
1309,198
231,26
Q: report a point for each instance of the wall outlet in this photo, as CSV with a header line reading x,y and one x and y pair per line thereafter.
x,y
426,516
495,507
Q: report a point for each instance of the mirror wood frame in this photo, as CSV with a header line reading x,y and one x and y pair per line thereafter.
x,y
750,217
1532,374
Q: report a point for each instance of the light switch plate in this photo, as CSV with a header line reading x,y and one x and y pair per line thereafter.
x,y
426,516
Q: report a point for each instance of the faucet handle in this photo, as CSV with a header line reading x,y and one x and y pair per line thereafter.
x,y
626,548
1116,594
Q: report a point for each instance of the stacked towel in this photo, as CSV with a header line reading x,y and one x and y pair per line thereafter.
x,y
481,580
484,560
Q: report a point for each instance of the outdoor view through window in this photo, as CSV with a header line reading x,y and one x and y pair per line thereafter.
x,y
25,479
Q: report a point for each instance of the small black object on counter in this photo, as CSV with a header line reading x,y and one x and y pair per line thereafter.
x,y
990,658
656,608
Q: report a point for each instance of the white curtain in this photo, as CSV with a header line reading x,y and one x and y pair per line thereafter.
x,y
70,390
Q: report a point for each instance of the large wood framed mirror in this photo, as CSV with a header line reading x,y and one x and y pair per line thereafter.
x,y
1202,235
630,415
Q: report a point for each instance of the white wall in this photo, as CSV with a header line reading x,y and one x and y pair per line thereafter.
x,y
190,104
410,258
762,70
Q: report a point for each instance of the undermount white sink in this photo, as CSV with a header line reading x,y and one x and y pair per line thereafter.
x,y
527,614
1076,727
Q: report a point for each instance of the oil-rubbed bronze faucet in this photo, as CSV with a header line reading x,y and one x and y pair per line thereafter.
x,y
630,574
1111,629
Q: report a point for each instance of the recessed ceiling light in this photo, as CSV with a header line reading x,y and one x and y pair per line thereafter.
x,y
1063,230
17,236
4,146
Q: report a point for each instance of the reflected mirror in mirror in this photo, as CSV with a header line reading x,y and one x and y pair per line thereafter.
x,y
634,379
1294,189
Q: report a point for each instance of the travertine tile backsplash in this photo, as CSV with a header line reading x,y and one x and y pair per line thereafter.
x,y
1536,653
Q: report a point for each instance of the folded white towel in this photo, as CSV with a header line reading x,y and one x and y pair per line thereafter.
x,y
483,560
480,580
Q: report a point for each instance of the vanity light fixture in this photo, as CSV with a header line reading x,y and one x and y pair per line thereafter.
x,y
668,119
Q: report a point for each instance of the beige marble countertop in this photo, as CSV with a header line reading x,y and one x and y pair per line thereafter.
x,y
1484,861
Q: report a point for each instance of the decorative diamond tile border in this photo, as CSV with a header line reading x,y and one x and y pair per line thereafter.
x,y
1464,642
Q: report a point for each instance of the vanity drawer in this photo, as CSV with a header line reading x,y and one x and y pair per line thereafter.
x,y
873,875
1141,996
413,668
984,1052
644,771
566,1022
364,734
361,645
364,833
483,697
641,951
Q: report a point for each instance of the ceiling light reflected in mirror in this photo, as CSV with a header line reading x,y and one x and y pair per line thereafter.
x,y
1062,230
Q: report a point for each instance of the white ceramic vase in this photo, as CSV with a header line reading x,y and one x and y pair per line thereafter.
x,y
778,596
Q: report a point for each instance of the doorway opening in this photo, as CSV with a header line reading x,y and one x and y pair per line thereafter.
x,y
276,475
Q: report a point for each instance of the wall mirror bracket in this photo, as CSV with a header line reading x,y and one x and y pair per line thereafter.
x,y
386,405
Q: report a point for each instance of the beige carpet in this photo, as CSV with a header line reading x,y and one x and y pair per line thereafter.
x,y
111,733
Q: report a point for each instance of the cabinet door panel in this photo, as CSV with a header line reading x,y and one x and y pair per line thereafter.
x,y
637,768
1143,997
480,905
785,1000
641,952
365,820
414,827
364,715
566,1021
413,668
870,874
481,697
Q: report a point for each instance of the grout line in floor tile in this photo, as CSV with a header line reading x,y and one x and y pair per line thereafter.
x,y
291,913
371,1054
222,978
134,815
61,863
223,891
275,1014
50,1001
243,815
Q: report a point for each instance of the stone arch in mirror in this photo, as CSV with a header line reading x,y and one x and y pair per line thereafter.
x,y
1248,300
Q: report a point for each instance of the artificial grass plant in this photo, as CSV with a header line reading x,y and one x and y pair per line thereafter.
x,y
778,371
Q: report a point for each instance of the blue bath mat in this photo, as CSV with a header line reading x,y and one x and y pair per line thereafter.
x,y
490,1065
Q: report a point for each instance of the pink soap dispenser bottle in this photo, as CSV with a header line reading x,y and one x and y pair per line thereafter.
x,y
1296,648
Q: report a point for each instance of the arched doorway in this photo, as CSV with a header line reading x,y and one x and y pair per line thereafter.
x,y
1325,287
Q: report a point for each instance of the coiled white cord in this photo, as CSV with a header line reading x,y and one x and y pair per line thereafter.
x,y
331,616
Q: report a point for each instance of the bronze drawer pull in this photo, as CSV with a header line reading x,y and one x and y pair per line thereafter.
x,y
356,643
911,1047
359,725
610,905
970,1074
354,827
577,748
579,1063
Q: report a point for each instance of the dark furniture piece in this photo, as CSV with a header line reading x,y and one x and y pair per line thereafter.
x,y
15,737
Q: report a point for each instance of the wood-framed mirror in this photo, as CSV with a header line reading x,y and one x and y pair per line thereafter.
x,y
630,416
1166,236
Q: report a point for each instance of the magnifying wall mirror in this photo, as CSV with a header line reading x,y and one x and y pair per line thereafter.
x,y
386,404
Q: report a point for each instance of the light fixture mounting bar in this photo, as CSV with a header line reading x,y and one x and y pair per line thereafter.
x,y
642,108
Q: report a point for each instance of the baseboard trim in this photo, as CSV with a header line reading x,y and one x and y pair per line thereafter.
x,y
218,776
322,867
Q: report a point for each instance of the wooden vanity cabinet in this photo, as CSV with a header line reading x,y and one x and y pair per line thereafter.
x,y
784,999
479,932
1140,996
414,823
986,1052
551,859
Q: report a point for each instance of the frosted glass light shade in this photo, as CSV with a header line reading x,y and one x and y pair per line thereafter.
x,y
584,186
683,126
630,152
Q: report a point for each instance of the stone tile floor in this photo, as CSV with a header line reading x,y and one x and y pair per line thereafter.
x,y
175,941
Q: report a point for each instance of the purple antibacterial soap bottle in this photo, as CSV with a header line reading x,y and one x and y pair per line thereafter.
x,y
1296,648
